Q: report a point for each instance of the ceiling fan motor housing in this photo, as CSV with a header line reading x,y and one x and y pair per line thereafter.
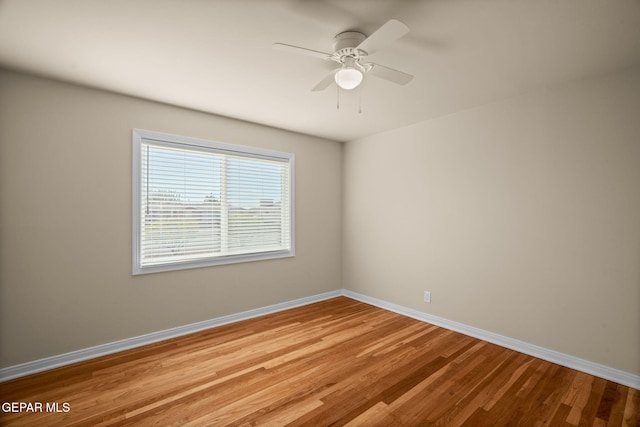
x,y
347,41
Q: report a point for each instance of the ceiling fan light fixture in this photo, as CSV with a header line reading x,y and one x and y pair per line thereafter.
x,y
348,77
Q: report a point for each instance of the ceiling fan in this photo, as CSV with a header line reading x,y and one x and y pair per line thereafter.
x,y
351,49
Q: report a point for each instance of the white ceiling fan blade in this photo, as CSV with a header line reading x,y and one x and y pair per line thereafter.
x,y
383,36
390,74
325,82
301,50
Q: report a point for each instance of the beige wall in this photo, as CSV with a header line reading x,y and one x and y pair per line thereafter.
x,y
522,217
65,222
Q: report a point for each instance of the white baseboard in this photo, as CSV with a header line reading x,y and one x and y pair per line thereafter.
x,y
126,344
592,368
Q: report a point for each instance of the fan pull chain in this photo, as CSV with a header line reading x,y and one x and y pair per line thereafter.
x,y
360,100
338,97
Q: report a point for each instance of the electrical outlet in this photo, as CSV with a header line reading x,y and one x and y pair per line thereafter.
x,y
427,297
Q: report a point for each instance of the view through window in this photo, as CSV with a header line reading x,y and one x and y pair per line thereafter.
x,y
200,203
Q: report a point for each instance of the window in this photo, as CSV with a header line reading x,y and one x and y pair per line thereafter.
x,y
198,203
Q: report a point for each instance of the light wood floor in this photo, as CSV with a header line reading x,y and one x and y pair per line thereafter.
x,y
335,362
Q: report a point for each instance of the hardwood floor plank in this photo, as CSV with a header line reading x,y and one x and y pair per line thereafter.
x,y
336,362
608,398
559,417
616,410
631,416
581,389
377,415
591,407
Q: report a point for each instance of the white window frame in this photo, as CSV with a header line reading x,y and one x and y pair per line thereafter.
x,y
139,136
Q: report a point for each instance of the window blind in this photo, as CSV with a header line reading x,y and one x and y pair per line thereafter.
x,y
211,203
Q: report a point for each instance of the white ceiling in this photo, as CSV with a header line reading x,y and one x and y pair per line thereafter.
x,y
216,55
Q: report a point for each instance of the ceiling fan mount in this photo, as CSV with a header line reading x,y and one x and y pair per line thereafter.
x,y
348,40
350,49
346,52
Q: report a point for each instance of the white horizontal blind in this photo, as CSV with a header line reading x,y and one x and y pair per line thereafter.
x,y
206,202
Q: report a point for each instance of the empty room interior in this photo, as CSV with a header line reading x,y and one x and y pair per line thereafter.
x,y
319,212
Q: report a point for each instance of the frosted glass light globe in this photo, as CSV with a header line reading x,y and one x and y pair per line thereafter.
x,y
348,78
